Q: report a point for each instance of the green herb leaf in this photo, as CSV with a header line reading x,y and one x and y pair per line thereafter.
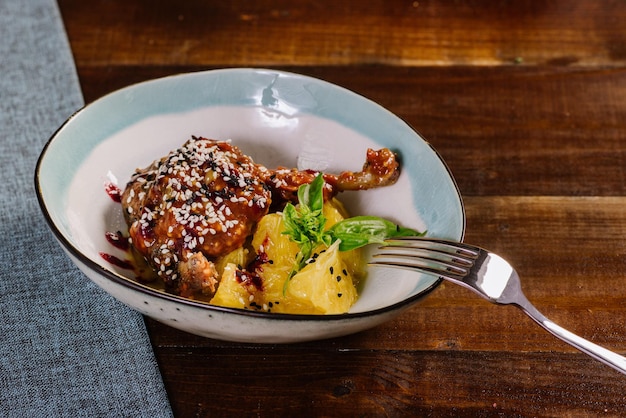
x,y
359,231
311,195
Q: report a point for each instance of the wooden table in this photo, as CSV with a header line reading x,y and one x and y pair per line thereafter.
x,y
526,102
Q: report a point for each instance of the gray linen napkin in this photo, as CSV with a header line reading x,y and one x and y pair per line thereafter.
x,y
66,347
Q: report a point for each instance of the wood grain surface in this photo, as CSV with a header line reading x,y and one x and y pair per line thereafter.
x,y
526,103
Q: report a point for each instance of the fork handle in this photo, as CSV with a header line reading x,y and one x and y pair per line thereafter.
x,y
608,357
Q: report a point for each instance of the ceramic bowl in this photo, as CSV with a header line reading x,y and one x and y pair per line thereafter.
x,y
278,118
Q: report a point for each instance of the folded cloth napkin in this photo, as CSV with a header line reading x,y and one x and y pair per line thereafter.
x,y
66,347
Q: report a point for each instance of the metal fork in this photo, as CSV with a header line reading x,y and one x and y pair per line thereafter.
x,y
485,273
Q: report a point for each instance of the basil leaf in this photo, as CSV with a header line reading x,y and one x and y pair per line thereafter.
x,y
290,220
316,194
359,231
311,195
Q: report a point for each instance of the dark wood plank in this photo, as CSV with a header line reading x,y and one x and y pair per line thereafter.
x,y
323,381
415,33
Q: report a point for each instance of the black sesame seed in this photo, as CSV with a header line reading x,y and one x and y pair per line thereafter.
x,y
338,295
345,273
331,270
338,278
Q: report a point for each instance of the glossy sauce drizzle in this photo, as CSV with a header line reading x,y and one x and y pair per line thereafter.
x,y
125,264
250,276
114,192
118,240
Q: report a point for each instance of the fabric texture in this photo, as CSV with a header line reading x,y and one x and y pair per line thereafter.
x,y
66,347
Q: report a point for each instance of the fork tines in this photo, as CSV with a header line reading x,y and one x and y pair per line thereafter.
x,y
431,256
